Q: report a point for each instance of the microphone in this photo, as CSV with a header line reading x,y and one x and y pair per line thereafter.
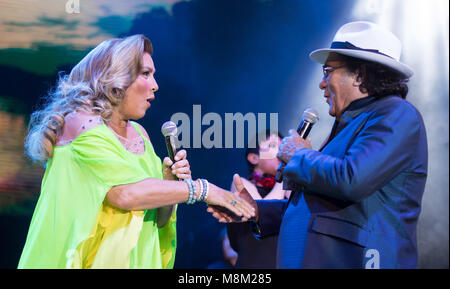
x,y
310,117
169,130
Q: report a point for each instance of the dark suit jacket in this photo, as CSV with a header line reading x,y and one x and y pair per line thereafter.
x,y
357,201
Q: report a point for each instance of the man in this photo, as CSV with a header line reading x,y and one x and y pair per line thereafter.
x,y
356,201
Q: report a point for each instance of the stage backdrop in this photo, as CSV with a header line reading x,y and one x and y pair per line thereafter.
x,y
228,56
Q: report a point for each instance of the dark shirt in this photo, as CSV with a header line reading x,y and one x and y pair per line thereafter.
x,y
252,253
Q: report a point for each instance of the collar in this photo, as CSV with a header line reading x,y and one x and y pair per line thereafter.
x,y
359,103
354,109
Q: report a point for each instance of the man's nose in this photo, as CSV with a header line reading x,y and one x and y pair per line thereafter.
x,y
323,83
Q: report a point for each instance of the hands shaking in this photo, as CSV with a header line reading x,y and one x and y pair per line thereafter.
x,y
224,215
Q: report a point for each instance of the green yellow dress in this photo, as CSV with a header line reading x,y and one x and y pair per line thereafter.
x,y
74,227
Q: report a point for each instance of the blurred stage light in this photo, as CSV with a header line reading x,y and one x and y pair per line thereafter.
x,y
423,27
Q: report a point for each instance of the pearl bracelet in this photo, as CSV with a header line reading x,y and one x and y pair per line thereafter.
x,y
205,191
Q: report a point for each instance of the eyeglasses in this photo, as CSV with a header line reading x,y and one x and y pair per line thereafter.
x,y
327,70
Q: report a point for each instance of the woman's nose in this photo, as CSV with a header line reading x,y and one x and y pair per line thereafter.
x,y
155,86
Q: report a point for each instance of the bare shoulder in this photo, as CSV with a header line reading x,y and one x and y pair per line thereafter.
x,y
75,123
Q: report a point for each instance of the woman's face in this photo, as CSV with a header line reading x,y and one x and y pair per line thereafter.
x,y
141,91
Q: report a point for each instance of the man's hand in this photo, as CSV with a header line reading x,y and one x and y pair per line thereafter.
x,y
226,216
290,145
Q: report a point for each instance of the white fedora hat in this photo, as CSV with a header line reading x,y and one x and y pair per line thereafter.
x,y
368,41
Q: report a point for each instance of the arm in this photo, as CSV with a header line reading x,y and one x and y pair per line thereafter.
x,y
181,169
381,151
148,194
154,193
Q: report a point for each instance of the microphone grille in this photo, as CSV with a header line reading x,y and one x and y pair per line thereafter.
x,y
311,115
169,129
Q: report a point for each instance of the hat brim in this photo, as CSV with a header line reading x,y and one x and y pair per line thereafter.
x,y
321,56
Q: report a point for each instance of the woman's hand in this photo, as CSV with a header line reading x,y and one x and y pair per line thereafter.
x,y
244,201
181,168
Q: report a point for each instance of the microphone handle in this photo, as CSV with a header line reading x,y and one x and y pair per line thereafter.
x,y
279,176
303,130
171,149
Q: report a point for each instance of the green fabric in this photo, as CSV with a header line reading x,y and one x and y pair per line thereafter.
x,y
74,186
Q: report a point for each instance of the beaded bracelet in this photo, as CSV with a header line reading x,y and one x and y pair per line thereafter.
x,y
199,197
205,191
193,196
192,191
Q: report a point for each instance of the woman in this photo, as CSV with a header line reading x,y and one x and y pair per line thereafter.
x,y
106,200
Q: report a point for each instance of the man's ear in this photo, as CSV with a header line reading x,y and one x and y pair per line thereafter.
x,y
359,75
357,82
253,158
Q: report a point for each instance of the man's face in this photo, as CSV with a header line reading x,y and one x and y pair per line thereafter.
x,y
338,86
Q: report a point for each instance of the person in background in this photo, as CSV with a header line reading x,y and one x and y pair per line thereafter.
x,y
240,247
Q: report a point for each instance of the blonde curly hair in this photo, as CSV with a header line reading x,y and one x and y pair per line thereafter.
x,y
95,85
